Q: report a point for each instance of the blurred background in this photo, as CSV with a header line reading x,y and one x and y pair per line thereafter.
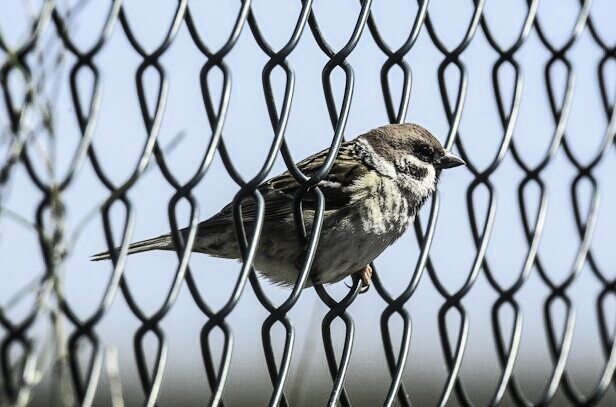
x,y
547,156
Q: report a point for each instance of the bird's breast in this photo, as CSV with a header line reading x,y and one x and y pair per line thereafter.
x,y
385,209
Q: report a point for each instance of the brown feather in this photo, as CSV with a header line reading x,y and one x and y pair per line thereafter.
x,y
278,192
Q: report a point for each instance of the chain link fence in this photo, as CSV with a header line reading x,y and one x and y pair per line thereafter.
x,y
51,344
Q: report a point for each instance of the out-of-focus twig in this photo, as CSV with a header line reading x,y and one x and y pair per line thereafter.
x,y
115,381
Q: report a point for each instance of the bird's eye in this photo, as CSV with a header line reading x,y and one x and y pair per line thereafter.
x,y
424,152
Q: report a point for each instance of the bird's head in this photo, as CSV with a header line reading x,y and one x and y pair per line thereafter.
x,y
411,154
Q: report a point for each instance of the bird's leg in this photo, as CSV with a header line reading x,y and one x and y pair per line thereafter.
x,y
366,278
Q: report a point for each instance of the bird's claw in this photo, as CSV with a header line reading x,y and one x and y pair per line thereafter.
x,y
365,276
362,289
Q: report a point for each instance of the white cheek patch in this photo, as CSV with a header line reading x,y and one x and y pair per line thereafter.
x,y
380,164
420,187
426,186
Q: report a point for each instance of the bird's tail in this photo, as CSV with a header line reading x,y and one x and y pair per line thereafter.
x,y
158,243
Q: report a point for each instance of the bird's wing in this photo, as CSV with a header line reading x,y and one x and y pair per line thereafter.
x,y
278,192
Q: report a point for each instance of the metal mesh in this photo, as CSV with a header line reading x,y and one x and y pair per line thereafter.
x,y
22,78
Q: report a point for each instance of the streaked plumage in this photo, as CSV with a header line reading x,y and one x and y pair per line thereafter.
x,y
376,186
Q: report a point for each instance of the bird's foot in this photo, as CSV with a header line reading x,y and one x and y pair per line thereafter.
x,y
366,278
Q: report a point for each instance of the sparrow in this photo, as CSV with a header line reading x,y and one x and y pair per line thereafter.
x,y
376,186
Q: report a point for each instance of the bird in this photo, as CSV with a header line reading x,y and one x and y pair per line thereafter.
x,y
377,184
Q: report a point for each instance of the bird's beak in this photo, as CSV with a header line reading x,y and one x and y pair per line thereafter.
x,y
449,160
